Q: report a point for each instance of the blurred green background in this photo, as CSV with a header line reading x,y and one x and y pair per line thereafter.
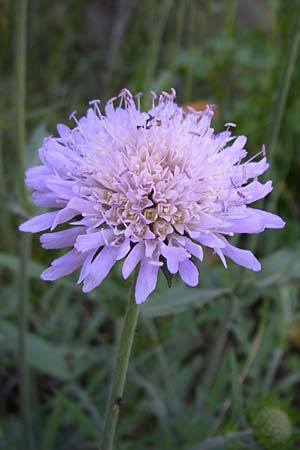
x,y
204,359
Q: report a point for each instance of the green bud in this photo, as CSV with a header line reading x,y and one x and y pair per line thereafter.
x,y
272,428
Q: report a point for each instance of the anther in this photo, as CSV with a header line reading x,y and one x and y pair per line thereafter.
x,y
94,102
111,100
72,115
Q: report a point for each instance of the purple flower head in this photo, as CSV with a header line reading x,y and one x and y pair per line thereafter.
x,y
152,188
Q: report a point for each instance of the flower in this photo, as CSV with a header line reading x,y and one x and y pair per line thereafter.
x,y
151,187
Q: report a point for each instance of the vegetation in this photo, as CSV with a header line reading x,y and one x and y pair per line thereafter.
x,y
204,359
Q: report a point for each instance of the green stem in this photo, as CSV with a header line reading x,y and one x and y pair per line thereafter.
x,y
156,40
25,397
191,40
284,91
220,344
6,228
164,366
20,94
119,375
276,120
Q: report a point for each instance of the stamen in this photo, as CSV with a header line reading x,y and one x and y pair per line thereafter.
x,y
127,96
97,109
111,100
262,152
209,111
94,102
127,93
138,97
154,97
166,95
72,115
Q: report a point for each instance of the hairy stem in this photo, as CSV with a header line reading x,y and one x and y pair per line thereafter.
x,y
119,375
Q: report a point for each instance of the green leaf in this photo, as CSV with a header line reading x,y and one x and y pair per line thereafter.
x,y
236,388
219,389
42,355
74,412
178,299
52,427
34,143
280,267
12,262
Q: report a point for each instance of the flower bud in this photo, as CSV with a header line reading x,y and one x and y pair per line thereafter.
x,y
272,428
